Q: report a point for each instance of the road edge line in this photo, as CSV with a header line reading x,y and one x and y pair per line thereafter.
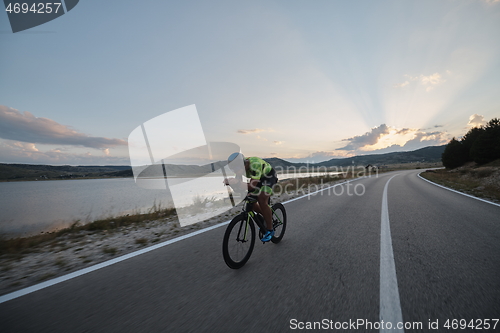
x,y
80,272
452,190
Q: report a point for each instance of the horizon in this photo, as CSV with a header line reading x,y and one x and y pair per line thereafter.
x,y
286,160
305,82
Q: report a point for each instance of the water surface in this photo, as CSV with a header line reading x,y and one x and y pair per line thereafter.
x,y
31,207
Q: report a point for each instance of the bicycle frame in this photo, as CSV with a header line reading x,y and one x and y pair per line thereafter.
x,y
251,215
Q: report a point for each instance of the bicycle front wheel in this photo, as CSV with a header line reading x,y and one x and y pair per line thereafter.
x,y
279,222
238,242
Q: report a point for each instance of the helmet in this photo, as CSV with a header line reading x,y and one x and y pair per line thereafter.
x,y
233,156
236,165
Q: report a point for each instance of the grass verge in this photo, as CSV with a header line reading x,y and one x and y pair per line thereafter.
x,y
22,245
482,182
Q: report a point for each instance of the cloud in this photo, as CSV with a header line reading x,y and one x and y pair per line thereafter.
x,y
407,82
384,139
23,146
435,126
476,120
404,131
423,139
278,142
429,81
255,130
380,140
21,152
261,138
420,140
25,127
367,139
401,85
413,78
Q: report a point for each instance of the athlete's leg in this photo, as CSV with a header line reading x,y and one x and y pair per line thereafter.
x,y
265,190
265,210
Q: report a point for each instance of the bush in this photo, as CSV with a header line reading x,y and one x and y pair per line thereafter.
x,y
482,173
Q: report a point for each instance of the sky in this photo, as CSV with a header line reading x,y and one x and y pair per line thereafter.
x,y
298,80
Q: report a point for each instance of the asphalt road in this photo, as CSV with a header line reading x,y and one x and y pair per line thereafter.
x,y
446,250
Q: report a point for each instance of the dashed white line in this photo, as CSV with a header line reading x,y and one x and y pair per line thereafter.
x,y
390,305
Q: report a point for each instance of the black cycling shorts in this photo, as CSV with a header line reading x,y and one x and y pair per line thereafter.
x,y
266,183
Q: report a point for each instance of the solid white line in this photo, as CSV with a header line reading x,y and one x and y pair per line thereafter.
x,y
390,305
29,290
80,272
452,190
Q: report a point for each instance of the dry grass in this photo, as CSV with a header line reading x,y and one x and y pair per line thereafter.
x,y
110,250
141,241
22,245
481,181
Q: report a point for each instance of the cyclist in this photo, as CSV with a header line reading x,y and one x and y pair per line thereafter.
x,y
262,179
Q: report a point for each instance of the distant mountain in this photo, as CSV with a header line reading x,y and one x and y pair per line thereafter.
x,y
35,171
42,172
428,154
278,162
32,171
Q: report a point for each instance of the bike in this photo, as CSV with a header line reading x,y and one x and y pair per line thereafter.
x,y
239,238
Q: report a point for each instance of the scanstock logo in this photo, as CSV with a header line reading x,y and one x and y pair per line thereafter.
x,y
24,14
170,152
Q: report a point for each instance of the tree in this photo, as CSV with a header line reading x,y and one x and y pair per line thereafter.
x,y
468,140
486,147
454,154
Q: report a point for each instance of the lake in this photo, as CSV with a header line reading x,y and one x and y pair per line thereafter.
x,y
30,207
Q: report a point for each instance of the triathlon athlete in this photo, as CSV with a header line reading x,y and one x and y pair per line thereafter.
x,y
262,179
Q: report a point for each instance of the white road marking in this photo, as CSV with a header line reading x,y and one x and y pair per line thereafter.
x,y
80,272
390,306
452,190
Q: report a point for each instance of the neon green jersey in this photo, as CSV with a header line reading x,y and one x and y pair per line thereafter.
x,y
258,168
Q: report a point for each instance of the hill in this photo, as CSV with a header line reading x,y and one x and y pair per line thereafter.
x,y
9,172
430,154
35,171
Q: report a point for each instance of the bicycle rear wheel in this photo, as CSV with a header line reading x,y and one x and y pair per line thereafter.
x,y
238,243
279,222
